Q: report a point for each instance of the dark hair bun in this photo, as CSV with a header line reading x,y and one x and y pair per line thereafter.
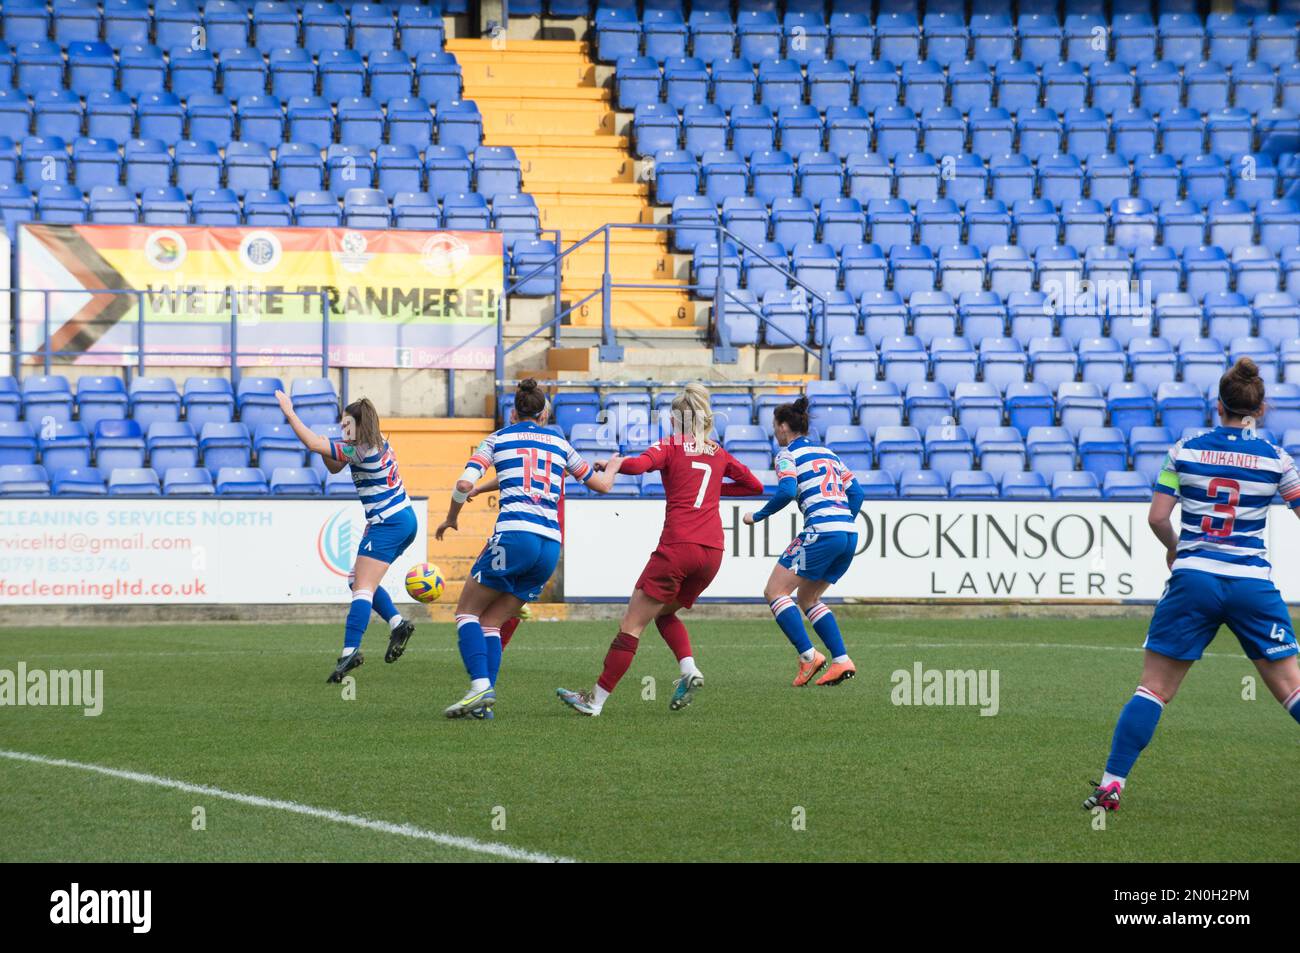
x,y
527,385
801,404
1245,369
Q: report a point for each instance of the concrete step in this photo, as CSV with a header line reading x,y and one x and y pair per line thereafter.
x,y
505,117
613,144
581,220
515,72
669,308
523,50
575,95
586,166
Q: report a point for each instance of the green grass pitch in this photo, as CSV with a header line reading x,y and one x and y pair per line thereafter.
x,y
754,770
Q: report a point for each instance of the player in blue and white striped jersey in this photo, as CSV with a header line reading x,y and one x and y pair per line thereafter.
x,y
520,556
829,499
1220,574
390,522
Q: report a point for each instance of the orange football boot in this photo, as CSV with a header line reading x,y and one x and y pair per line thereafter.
x,y
838,672
808,669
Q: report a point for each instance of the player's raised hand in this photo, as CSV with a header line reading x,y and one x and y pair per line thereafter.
x,y
443,527
285,403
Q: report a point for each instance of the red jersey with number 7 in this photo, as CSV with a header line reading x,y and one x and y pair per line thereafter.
x,y
695,480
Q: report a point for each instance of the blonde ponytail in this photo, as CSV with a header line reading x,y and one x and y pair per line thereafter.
x,y
693,415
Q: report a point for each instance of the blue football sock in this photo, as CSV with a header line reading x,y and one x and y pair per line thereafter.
x,y
473,650
383,603
1137,723
358,619
1292,704
492,640
827,629
791,623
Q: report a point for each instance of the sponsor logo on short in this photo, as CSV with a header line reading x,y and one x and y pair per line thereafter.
x,y
260,251
103,907
53,688
947,687
165,250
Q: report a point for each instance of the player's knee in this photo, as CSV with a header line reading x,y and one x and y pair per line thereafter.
x,y
806,602
774,591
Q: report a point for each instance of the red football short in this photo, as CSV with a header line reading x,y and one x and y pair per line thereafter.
x,y
679,572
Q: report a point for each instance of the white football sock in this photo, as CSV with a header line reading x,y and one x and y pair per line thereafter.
x,y
479,684
1107,777
687,666
598,697
808,656
841,659
347,650
395,621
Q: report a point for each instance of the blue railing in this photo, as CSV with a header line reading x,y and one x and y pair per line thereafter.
x,y
610,350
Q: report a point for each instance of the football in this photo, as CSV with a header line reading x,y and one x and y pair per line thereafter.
x,y
424,582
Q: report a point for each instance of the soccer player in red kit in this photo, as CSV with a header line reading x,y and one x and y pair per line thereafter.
x,y
689,551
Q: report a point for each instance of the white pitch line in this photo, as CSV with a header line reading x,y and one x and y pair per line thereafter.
x,y
293,807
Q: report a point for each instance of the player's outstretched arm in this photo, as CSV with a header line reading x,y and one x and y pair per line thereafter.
x,y
458,497
602,476
742,480
310,438
786,491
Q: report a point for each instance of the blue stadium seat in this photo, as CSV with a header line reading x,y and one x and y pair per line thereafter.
x,y
898,449
1024,486
241,481
1001,450
293,481
225,445
1147,447
23,480
1080,405
76,480
64,443
948,449
1078,485
972,485
1102,449
134,481
922,484
192,481
878,484
17,442
1126,485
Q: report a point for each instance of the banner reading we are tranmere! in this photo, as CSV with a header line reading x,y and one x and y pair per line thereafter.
x,y
394,298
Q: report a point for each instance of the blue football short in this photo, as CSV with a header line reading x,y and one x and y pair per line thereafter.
x,y
517,563
820,557
1196,603
387,540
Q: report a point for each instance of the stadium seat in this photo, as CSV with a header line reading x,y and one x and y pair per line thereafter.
x,y
240,481
182,481
134,481
1077,485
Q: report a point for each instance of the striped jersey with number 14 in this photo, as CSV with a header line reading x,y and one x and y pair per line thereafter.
x,y
1225,480
531,463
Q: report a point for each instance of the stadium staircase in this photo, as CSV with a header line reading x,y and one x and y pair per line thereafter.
x,y
541,97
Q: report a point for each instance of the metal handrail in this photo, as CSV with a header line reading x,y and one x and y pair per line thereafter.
x,y
610,350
